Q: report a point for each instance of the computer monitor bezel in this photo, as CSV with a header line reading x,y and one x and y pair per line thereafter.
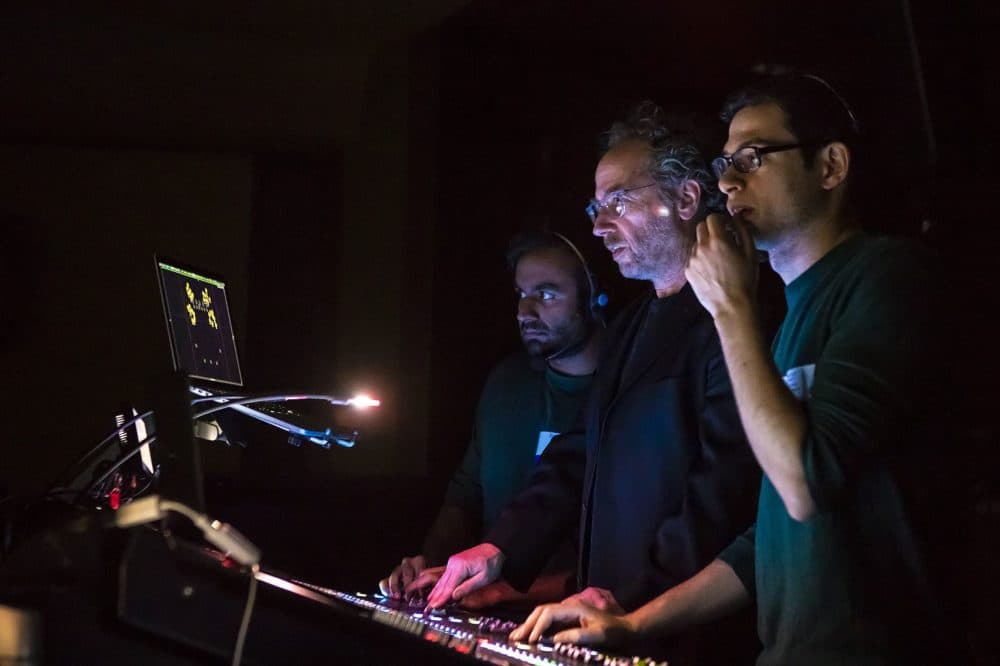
x,y
197,272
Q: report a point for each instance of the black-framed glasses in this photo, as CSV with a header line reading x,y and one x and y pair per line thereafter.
x,y
747,159
614,204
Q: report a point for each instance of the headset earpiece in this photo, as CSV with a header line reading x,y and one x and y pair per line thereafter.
x,y
597,300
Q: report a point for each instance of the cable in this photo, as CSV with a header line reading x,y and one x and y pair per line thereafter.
x,y
184,510
918,73
217,398
229,402
272,398
233,544
152,438
128,456
100,445
241,635
234,399
114,433
223,536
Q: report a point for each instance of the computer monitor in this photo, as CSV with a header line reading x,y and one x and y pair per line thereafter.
x,y
202,340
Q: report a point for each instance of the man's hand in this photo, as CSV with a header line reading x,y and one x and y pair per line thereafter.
x,y
401,577
722,269
465,572
494,593
427,578
599,598
595,626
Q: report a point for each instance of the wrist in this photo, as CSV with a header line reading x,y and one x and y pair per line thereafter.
x,y
493,552
734,316
634,624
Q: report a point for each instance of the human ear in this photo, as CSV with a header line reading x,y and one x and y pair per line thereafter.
x,y
834,162
688,199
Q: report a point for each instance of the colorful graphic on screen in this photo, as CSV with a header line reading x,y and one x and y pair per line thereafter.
x,y
201,332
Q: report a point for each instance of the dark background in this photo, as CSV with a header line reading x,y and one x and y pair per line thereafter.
x,y
356,168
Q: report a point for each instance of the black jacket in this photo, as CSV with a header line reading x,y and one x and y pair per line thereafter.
x,y
658,479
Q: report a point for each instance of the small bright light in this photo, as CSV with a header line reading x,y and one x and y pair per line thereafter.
x,y
363,401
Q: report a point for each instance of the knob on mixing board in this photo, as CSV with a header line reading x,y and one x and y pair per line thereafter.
x,y
481,637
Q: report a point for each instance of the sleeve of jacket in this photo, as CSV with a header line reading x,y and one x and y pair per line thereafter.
x,y
722,483
539,518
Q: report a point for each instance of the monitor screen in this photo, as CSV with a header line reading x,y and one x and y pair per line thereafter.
x,y
201,332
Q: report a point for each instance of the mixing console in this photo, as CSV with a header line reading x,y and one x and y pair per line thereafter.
x,y
191,595
481,637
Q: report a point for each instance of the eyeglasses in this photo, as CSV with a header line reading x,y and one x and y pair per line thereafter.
x,y
614,204
747,159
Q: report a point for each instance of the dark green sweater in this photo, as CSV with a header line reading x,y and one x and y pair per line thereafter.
x,y
520,409
850,584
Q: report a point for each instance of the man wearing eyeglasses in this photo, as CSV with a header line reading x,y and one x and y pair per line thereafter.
x,y
659,477
841,418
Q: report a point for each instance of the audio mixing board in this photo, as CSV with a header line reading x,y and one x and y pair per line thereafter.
x,y
481,637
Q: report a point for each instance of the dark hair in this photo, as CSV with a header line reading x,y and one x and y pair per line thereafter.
x,y
677,152
815,113
587,286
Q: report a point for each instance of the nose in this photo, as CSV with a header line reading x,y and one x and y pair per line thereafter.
x,y
526,309
603,225
730,181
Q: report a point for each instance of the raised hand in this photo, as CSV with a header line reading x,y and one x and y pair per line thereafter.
x,y
722,269
465,571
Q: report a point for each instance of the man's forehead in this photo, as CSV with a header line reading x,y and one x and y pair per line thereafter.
x,y
530,281
545,265
621,165
757,123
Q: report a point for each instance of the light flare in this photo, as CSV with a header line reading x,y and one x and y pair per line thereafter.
x,y
362,401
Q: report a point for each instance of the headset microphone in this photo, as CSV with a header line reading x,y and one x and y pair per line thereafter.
x,y
573,346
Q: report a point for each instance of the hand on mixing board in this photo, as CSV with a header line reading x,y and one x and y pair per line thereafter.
x,y
492,594
401,577
599,598
594,626
465,571
546,588
427,579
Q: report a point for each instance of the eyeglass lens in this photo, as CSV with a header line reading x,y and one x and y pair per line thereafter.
x,y
744,160
613,204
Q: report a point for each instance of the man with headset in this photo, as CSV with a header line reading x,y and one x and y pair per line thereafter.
x,y
528,399
658,477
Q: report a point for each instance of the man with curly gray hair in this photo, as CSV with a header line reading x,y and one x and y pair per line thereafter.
x,y
658,478
653,186
675,152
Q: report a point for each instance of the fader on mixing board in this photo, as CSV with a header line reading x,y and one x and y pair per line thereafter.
x,y
192,595
481,637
